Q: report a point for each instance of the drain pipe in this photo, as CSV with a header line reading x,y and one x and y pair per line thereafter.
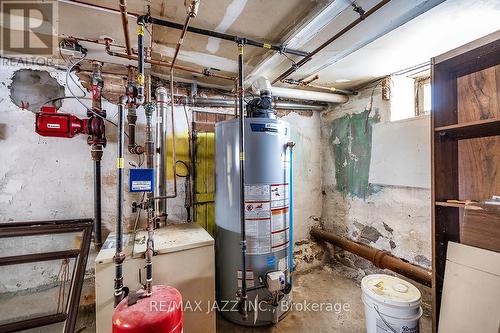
x,y
120,164
381,259
241,99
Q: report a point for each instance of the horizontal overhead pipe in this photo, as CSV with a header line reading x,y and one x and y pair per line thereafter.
x,y
229,102
379,258
308,95
300,63
163,63
220,35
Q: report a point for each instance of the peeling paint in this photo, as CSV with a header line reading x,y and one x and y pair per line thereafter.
x,y
350,137
369,234
199,58
399,216
30,89
233,11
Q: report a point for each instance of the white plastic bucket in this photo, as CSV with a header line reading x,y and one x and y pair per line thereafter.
x,y
392,305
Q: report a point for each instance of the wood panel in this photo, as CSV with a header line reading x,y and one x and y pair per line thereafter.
x,y
465,145
204,167
478,95
479,161
481,227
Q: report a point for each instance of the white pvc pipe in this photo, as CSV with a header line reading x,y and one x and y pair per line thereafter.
x,y
263,83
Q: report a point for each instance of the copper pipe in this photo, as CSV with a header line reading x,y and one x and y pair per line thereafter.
x,y
180,41
381,259
174,155
124,15
302,61
97,7
166,64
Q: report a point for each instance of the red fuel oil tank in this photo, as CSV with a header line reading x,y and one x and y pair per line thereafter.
x,y
159,313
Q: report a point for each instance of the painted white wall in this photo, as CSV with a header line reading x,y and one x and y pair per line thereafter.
x,y
307,172
52,178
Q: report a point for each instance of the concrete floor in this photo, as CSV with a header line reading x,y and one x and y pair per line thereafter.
x,y
324,285
320,286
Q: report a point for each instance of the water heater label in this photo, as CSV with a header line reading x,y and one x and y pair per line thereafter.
x,y
258,235
266,218
279,196
257,192
249,278
257,209
279,219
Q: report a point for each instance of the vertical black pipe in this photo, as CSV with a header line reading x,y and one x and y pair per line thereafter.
x,y
241,96
97,203
140,61
120,164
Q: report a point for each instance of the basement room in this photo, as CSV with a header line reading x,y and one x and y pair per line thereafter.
x,y
202,166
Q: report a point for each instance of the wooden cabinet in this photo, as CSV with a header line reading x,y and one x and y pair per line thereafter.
x,y
465,142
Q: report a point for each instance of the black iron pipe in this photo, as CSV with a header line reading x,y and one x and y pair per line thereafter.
x,y
220,35
308,57
97,204
120,165
241,99
140,63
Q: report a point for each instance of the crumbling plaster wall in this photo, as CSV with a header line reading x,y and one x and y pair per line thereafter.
x,y
51,178
396,219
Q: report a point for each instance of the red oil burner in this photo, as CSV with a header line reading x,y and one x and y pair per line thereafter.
x,y
159,313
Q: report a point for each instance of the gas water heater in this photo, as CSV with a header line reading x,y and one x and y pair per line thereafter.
x,y
267,206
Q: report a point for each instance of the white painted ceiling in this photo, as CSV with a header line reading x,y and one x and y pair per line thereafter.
x,y
401,34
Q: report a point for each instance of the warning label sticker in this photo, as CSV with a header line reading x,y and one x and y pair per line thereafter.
x,y
266,218
249,278
279,238
257,192
258,235
279,196
257,209
283,264
279,219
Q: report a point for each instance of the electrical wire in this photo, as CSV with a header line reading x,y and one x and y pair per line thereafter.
x,y
294,64
78,98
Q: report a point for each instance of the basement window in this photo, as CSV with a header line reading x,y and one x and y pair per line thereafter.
x,y
410,96
423,96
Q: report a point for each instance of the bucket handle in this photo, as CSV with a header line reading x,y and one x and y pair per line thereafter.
x,y
383,320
